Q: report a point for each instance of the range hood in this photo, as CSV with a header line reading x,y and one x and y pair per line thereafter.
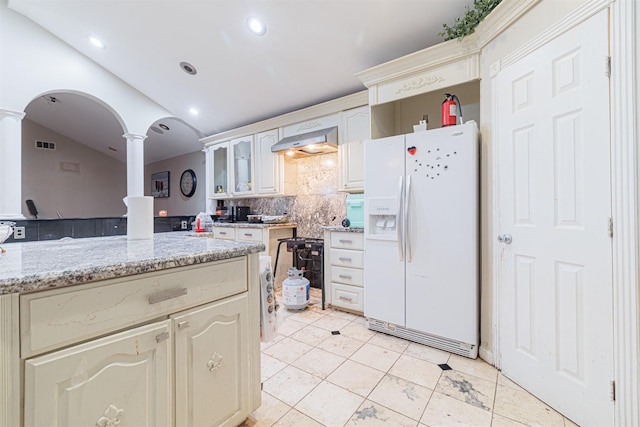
x,y
308,144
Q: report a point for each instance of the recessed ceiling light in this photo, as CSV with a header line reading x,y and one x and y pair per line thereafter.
x,y
256,26
97,42
188,68
193,111
163,126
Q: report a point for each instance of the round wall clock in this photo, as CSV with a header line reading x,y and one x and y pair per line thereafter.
x,y
188,183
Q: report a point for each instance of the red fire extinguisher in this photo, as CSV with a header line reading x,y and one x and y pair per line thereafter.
x,y
451,109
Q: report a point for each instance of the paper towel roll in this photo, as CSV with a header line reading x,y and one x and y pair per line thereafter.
x,y
139,217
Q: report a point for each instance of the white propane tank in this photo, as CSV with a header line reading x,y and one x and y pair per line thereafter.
x,y
295,290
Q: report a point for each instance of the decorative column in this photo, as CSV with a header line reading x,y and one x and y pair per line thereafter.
x,y
135,164
11,164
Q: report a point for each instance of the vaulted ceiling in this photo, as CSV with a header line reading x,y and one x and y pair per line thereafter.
x,y
309,54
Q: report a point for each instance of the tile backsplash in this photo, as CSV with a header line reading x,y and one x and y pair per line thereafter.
x,y
317,202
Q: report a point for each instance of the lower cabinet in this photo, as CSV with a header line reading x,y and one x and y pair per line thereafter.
x,y
124,379
212,351
180,365
344,269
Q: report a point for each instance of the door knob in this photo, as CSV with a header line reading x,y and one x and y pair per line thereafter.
x,y
505,238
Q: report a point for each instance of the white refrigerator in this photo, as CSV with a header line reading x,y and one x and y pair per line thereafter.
x,y
421,237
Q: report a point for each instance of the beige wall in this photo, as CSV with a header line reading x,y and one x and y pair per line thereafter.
x,y
176,203
73,179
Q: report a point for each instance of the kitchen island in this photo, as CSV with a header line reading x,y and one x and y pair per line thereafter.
x,y
99,331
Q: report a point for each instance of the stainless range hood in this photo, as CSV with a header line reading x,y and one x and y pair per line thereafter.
x,y
308,144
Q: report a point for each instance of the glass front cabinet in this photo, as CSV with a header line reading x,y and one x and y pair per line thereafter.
x,y
231,168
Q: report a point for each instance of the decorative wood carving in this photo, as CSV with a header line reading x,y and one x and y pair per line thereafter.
x,y
215,362
419,83
111,417
309,125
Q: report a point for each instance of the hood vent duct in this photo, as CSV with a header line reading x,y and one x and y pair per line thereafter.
x,y
308,144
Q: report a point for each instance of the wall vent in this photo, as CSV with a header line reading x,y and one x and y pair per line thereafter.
x,y
46,145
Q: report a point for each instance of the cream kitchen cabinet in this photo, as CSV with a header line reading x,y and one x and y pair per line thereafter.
x,y
269,177
230,168
344,269
103,353
122,379
212,379
354,130
268,235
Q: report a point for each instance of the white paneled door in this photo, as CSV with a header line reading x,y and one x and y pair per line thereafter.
x,y
555,259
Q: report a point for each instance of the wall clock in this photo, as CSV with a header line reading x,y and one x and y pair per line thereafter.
x,y
188,183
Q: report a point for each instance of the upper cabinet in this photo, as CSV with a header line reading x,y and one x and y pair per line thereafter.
x,y
242,167
240,163
230,168
354,130
269,178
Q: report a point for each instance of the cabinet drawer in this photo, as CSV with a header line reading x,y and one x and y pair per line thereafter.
x,y
346,296
350,276
347,240
347,258
228,233
250,234
52,319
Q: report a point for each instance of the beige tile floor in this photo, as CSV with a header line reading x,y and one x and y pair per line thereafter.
x,y
311,377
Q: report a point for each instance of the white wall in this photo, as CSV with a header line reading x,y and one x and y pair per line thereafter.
x,y
34,62
96,189
176,203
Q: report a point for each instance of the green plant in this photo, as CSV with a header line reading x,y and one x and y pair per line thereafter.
x,y
472,17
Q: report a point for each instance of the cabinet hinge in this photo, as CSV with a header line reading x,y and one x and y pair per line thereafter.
x,y
610,226
607,66
612,383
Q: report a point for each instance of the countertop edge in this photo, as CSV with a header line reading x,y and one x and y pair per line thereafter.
x,y
118,266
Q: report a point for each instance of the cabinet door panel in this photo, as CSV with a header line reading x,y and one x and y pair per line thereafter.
x,y
212,364
354,129
268,164
124,378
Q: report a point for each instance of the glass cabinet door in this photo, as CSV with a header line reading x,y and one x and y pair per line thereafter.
x,y
221,169
242,163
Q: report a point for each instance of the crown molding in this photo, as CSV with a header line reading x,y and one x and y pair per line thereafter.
x,y
354,100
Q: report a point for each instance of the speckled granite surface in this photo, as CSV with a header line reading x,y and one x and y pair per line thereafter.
x,y
48,264
345,229
254,225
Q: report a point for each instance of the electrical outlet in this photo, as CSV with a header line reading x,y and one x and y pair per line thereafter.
x,y
18,233
183,225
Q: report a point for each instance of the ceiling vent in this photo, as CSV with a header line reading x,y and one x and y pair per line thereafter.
x,y
43,145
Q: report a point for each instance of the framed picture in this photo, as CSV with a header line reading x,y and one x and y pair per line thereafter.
x,y
160,184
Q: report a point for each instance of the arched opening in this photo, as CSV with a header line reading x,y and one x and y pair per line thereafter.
x,y
73,157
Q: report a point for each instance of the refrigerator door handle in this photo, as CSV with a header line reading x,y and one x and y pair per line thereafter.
x,y
398,219
407,217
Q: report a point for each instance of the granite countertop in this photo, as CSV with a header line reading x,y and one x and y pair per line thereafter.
x,y
345,229
32,266
254,225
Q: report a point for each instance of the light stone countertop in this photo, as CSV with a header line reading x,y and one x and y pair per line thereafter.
x,y
345,229
32,266
254,225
